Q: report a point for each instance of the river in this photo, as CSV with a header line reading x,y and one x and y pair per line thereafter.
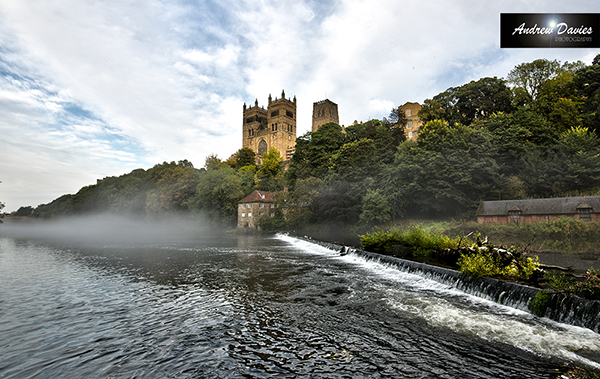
x,y
252,306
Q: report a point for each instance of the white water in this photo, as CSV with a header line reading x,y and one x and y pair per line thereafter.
x,y
443,306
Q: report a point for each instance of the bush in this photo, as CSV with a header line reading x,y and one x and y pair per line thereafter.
x,y
488,263
589,287
421,242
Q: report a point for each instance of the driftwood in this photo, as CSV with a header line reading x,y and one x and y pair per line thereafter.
x,y
551,267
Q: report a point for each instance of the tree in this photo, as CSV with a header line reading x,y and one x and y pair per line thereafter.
x,y
393,117
356,160
301,203
314,151
375,208
558,102
530,76
245,157
23,212
269,176
217,195
587,86
213,162
469,102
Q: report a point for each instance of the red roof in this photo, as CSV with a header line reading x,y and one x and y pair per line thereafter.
x,y
258,196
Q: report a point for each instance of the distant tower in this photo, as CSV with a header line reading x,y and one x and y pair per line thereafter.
x,y
413,122
324,111
271,127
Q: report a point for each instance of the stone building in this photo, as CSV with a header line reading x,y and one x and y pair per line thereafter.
x,y
324,112
271,127
413,122
253,207
584,208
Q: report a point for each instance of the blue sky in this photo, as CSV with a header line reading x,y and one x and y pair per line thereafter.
x,y
90,89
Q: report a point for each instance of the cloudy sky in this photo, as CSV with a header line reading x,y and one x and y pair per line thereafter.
x,y
93,88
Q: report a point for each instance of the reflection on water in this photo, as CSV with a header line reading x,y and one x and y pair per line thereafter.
x,y
254,306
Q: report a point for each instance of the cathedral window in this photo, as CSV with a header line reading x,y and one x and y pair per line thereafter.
x,y
262,147
289,114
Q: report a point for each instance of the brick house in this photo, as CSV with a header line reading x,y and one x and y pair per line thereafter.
x,y
584,208
253,207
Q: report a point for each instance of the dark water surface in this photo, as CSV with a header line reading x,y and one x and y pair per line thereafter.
x,y
255,307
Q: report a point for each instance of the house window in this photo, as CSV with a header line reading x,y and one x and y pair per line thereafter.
x,y
409,125
585,214
243,206
408,112
272,214
249,214
514,216
272,205
409,134
243,214
262,205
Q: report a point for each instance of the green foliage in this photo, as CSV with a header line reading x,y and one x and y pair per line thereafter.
x,y
421,242
275,223
487,262
218,193
244,157
469,102
301,203
375,208
558,281
356,160
269,176
436,184
314,151
539,303
532,75
22,211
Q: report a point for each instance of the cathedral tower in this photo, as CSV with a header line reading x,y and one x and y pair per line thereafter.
x,y
324,111
271,127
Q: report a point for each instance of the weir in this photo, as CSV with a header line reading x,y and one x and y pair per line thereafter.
x,y
564,308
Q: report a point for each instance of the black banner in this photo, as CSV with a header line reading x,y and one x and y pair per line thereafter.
x,y
549,30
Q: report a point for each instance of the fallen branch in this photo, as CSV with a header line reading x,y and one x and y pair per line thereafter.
x,y
551,267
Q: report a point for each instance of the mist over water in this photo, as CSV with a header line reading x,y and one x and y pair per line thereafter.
x,y
108,228
111,298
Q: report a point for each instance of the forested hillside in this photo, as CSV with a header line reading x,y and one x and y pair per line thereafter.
x,y
532,135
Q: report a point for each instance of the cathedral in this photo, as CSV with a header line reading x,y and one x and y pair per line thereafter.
x,y
276,125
